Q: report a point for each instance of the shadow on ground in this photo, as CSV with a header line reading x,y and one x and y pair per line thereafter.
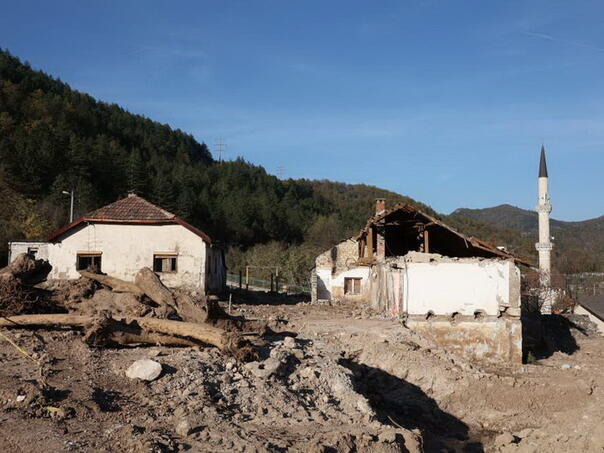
x,y
543,335
397,402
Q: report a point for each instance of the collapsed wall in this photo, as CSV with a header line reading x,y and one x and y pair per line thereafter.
x,y
470,305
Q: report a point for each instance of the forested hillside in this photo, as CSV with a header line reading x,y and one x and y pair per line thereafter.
x,y
55,139
578,246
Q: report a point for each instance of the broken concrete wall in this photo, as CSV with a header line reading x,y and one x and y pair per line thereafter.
x,y
340,256
422,284
458,303
497,339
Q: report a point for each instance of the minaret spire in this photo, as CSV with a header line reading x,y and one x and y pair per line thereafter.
x,y
542,164
544,246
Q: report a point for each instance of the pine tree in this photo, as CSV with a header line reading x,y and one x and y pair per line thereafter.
x,y
138,182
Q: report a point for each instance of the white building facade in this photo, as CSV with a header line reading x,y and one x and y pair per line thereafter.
x,y
130,234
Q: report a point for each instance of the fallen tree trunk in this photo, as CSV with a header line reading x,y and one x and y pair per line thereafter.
x,y
155,290
141,330
116,284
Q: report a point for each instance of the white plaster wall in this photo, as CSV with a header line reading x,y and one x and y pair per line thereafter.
x,y
332,285
463,286
127,248
323,284
17,247
355,272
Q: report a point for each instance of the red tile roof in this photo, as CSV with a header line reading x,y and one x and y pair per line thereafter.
x,y
132,207
130,210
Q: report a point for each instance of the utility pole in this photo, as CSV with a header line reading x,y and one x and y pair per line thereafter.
x,y
70,205
280,171
220,148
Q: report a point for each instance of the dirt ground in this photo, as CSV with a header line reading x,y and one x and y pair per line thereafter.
x,y
332,379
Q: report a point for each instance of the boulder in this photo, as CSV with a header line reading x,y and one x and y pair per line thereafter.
x,y
144,369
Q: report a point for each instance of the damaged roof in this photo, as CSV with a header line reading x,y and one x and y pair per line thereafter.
x,y
130,210
481,247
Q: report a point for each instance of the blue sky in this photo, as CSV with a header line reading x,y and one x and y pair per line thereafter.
x,y
445,101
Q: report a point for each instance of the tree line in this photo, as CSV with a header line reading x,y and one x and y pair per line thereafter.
x,y
55,139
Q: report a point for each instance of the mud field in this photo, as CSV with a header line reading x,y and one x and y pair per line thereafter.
x,y
329,379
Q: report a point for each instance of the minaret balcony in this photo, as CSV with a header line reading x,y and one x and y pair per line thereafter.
x,y
544,246
544,208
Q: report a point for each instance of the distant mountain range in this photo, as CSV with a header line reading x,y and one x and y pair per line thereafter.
x,y
509,216
582,242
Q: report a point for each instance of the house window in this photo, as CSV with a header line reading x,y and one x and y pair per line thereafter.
x,y
163,262
32,252
88,261
352,286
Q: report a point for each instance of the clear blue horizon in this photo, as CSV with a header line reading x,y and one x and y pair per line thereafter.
x,y
446,102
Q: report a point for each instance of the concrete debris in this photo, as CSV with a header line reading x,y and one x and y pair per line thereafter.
x,y
504,439
183,427
264,369
289,342
144,369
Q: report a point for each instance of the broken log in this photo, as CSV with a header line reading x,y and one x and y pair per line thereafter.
x,y
116,284
155,290
142,329
26,269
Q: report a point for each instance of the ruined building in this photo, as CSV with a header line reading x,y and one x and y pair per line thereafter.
x,y
462,292
122,237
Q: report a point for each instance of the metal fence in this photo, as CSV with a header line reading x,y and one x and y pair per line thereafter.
x,y
258,284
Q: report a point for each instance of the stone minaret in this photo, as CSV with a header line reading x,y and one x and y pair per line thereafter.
x,y
544,246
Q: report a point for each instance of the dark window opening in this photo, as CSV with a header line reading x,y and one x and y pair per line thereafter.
x,y
32,252
352,286
164,263
89,261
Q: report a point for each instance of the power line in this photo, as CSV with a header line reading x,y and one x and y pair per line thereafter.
x,y
220,148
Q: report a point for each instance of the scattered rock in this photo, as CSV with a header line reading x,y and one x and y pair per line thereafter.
x,y
504,439
183,427
566,366
524,433
289,342
264,369
144,369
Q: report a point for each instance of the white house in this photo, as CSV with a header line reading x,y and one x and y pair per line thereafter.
x,y
122,237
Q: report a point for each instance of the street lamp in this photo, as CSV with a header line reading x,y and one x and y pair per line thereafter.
x,y
71,205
